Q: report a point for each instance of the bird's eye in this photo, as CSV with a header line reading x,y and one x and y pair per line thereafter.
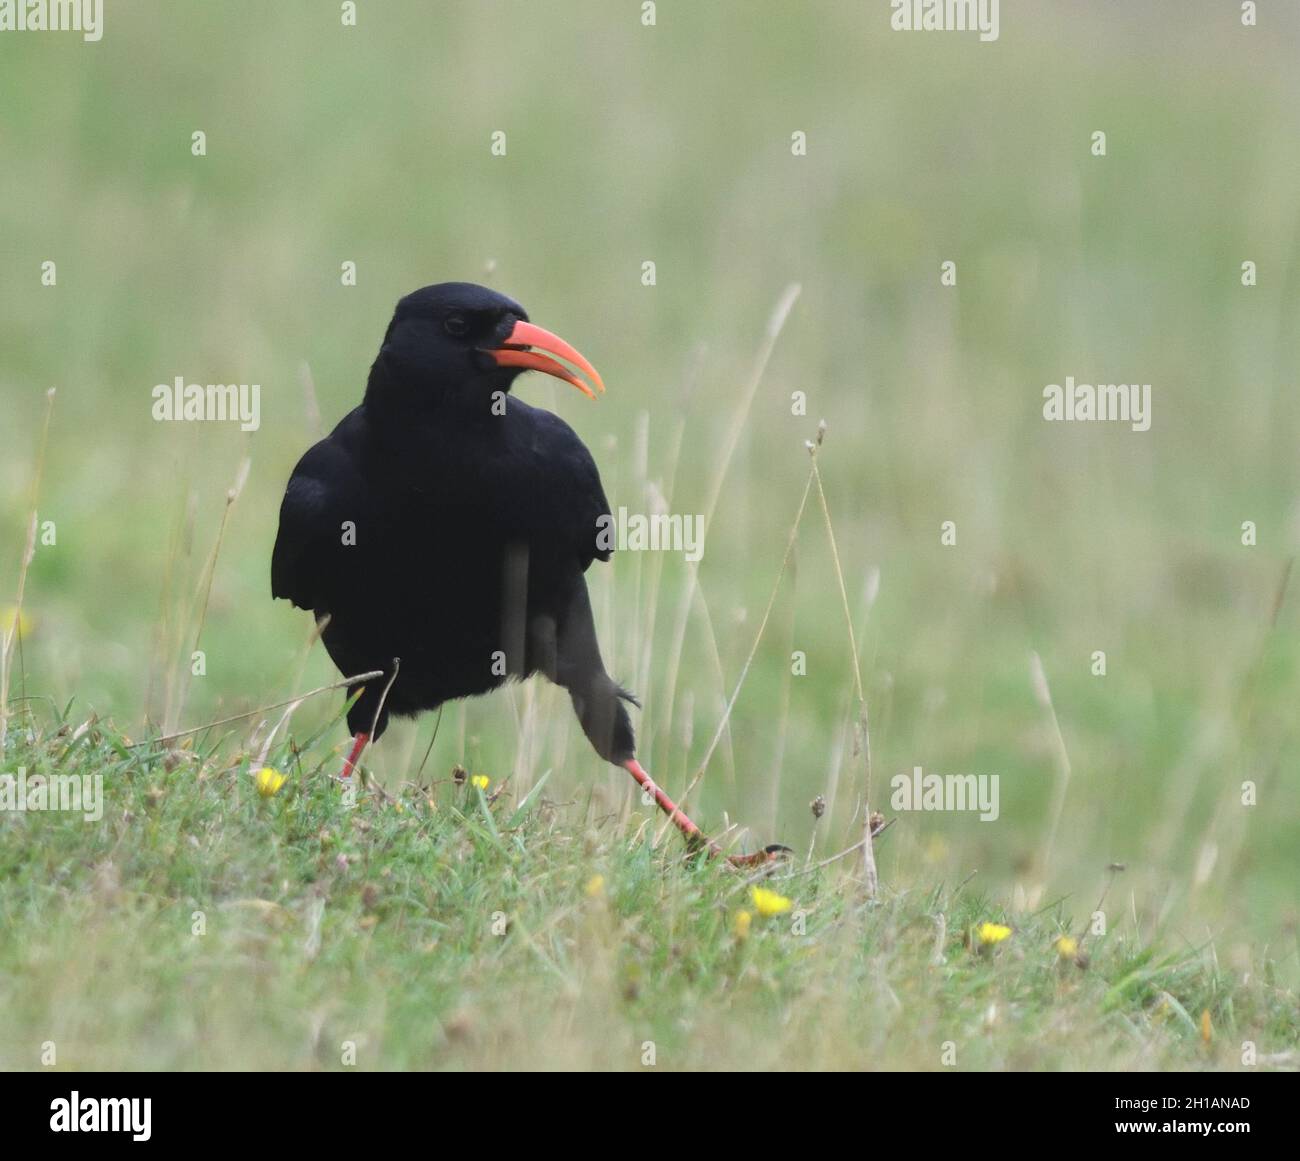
x,y
455,325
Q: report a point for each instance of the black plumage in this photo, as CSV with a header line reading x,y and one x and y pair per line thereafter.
x,y
448,525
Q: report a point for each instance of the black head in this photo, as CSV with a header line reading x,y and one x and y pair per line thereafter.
x,y
458,341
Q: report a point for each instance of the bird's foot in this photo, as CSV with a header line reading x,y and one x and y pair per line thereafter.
x,y
772,853
695,838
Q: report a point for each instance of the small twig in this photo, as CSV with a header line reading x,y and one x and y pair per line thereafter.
x,y
857,846
870,877
260,710
203,593
270,737
1113,869
379,709
1043,692
775,323
29,551
436,724
937,958
1280,595
753,649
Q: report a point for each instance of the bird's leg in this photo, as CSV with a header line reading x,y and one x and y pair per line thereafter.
x,y
350,762
694,836
667,805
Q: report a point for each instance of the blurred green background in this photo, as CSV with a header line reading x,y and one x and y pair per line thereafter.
x,y
672,144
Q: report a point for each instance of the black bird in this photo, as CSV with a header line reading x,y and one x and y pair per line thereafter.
x,y
441,531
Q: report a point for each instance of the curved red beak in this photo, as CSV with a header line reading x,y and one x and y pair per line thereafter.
x,y
515,352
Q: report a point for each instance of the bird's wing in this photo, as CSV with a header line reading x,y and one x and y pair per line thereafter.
x,y
323,493
569,500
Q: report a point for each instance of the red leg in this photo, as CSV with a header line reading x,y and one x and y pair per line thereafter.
x,y
350,762
692,832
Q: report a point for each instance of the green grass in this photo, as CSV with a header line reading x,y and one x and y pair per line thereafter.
x,y
442,927
672,144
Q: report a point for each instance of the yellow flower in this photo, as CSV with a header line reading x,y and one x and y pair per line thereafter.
x,y
269,782
1067,947
11,613
480,781
740,925
992,933
595,887
768,903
